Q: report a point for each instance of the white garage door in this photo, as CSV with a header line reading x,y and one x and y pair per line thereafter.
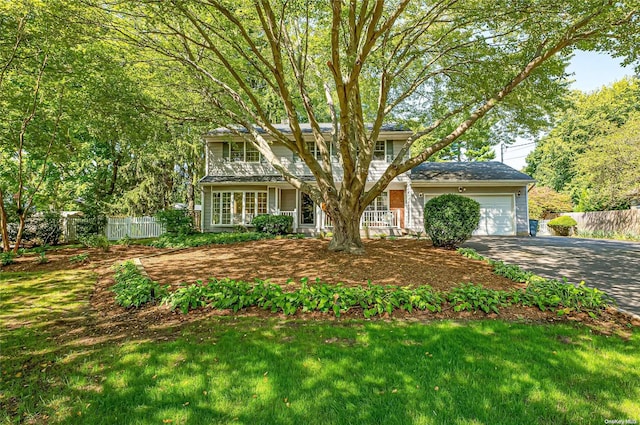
x,y
497,215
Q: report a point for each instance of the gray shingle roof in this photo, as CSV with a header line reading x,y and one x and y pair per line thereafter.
x,y
428,171
305,128
466,171
249,179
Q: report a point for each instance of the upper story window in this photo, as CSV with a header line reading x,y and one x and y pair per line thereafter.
x,y
240,152
383,151
315,151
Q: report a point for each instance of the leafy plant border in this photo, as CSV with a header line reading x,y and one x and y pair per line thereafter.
x,y
132,289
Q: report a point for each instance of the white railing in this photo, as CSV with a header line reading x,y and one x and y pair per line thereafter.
x,y
133,227
380,218
372,219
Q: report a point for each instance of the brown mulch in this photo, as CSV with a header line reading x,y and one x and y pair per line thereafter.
x,y
403,262
400,262
60,259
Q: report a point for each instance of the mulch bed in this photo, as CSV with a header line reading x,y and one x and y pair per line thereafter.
x,y
399,262
403,262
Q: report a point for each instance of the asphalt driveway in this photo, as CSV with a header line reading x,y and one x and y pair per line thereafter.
x,y
611,266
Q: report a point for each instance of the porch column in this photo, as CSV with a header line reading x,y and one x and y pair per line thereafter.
x,y
319,213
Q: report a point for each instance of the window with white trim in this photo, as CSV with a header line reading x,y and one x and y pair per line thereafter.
x,y
240,152
383,151
315,151
381,203
237,207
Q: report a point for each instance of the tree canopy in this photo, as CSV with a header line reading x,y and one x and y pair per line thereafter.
x,y
440,67
106,101
80,125
592,152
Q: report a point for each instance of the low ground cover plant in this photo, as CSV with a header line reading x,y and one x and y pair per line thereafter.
x,y
7,258
133,290
79,258
235,295
96,241
547,293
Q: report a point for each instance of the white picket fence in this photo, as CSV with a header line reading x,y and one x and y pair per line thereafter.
x,y
133,227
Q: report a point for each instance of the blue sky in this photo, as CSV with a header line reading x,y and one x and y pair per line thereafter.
x,y
591,72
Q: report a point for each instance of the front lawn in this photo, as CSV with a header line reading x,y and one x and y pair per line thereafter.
x,y
62,363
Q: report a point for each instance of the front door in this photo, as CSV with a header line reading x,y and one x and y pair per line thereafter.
x,y
308,210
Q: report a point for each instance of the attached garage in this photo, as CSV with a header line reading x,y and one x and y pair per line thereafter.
x,y
500,190
497,215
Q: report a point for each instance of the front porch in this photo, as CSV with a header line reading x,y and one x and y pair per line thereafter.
x,y
237,205
379,220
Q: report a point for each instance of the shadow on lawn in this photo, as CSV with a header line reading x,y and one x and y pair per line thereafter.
x,y
249,373
58,368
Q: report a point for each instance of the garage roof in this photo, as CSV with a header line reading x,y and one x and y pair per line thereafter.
x,y
467,171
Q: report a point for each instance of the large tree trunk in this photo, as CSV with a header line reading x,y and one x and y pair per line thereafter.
x,y
346,232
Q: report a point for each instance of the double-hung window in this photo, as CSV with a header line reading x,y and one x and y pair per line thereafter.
x,y
240,152
383,151
237,207
315,151
381,203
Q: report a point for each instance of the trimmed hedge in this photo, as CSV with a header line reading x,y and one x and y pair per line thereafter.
x,y
273,224
562,225
449,219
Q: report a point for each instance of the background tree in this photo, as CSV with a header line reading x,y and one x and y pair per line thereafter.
x,y
36,56
358,62
544,201
81,120
573,157
608,169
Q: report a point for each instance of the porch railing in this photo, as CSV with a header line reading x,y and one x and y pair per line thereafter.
x,y
372,219
293,214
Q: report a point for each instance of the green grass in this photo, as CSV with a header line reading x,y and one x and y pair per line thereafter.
x,y
269,371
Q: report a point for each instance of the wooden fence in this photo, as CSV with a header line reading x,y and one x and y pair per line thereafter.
x,y
624,222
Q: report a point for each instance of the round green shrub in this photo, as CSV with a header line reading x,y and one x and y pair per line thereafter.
x,y
273,224
449,220
563,225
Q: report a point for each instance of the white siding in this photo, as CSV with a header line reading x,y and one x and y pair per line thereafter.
x,y
217,166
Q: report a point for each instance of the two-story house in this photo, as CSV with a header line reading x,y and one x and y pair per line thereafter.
x,y
240,184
